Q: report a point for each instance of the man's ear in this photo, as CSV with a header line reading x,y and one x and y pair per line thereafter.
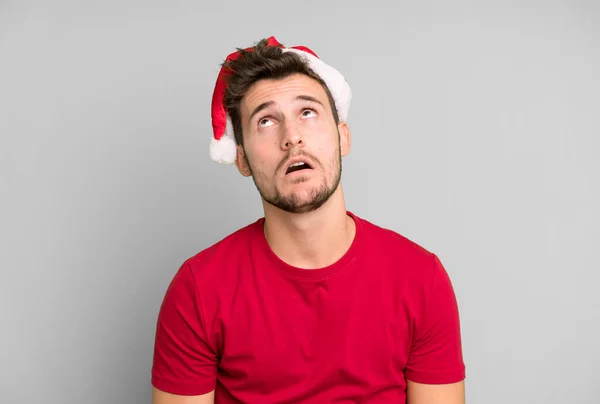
x,y
344,131
241,162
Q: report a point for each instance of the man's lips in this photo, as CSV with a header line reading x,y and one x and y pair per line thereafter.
x,y
297,167
297,164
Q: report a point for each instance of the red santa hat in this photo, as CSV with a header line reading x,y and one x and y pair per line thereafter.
x,y
223,145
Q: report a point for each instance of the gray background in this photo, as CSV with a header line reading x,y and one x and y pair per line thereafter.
x,y
475,133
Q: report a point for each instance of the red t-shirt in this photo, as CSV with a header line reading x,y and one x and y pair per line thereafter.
x,y
237,319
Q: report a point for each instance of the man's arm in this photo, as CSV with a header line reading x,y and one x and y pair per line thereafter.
x,y
184,368
418,393
162,397
435,369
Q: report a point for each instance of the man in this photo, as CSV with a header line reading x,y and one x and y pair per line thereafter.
x,y
310,304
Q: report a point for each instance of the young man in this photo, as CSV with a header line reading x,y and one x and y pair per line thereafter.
x,y
310,304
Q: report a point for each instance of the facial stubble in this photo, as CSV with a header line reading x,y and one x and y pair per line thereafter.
x,y
318,196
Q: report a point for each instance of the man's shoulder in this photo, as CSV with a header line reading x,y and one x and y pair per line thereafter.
x,y
394,242
230,249
397,255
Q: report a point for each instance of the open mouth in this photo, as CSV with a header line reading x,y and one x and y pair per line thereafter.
x,y
301,165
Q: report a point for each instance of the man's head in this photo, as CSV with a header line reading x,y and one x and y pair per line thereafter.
x,y
286,125
263,62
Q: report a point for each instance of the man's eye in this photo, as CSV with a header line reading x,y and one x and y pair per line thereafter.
x,y
263,123
307,113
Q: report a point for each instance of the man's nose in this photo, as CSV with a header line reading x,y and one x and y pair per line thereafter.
x,y
292,136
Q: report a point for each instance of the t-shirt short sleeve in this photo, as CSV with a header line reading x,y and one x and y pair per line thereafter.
x,y
184,362
436,354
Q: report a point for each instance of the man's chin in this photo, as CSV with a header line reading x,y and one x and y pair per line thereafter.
x,y
298,209
307,202
296,204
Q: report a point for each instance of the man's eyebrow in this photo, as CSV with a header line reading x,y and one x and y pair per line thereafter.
x,y
309,98
260,108
267,104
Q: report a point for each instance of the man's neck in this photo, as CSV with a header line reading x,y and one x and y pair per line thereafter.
x,y
310,240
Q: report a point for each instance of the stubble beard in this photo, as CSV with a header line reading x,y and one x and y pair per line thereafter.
x,y
292,203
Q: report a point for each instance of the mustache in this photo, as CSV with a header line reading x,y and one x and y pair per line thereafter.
x,y
300,153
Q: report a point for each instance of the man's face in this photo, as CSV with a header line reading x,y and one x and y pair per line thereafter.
x,y
292,146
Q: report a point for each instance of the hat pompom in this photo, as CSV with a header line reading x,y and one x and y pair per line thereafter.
x,y
224,150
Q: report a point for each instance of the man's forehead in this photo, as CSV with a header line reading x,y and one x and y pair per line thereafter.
x,y
288,88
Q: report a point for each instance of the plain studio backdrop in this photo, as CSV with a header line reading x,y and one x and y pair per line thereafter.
x,y
475,131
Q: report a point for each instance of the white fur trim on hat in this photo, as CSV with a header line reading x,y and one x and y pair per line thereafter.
x,y
335,81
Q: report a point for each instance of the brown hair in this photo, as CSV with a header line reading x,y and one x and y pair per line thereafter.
x,y
262,62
